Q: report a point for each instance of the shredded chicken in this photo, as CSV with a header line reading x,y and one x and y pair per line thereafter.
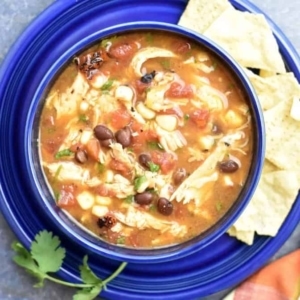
x,y
67,103
146,53
190,189
143,220
68,171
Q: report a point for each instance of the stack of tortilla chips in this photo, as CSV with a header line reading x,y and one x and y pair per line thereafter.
x,y
249,39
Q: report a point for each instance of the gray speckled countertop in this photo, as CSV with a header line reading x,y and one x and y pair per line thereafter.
x,y
15,15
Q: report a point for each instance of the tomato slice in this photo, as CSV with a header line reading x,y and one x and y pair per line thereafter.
x,y
66,196
200,117
119,166
177,90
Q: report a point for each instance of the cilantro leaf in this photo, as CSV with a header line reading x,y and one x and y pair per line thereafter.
x,y
86,274
88,293
23,258
47,246
46,255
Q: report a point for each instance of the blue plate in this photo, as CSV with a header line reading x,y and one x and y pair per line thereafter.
x,y
221,265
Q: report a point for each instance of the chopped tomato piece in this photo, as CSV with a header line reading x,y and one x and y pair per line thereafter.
x,y
122,51
103,190
93,149
177,90
66,196
142,137
75,147
120,118
119,166
165,160
200,117
182,47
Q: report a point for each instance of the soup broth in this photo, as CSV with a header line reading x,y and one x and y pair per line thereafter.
x,y
146,139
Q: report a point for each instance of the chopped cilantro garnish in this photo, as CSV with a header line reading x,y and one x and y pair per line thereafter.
x,y
215,65
121,240
166,64
186,117
57,172
83,118
219,206
101,168
62,153
153,167
149,38
129,199
154,146
107,41
152,208
107,85
56,195
138,181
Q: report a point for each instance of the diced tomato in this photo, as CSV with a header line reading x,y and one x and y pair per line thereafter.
x,y
182,47
176,110
122,51
104,191
93,149
142,137
165,160
177,90
120,118
200,117
51,145
66,196
119,166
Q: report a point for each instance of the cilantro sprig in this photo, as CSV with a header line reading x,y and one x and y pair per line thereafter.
x,y
37,263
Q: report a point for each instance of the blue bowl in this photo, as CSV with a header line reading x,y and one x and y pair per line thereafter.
x,y
80,236
50,64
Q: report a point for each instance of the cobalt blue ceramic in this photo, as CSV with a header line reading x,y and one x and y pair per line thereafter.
x,y
40,51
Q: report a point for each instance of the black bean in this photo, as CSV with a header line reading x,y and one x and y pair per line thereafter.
x,y
106,143
179,175
144,160
164,206
81,156
228,166
147,78
144,198
123,136
103,133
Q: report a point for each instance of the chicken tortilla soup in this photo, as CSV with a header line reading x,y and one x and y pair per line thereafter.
x,y
146,139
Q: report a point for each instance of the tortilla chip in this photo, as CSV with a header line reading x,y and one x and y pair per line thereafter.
x,y
282,137
269,167
200,14
242,235
295,109
248,38
265,73
274,89
270,205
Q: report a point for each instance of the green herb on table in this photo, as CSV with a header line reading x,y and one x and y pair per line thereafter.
x,y
37,263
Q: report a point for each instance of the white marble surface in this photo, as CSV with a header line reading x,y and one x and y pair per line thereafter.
x,y
14,17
